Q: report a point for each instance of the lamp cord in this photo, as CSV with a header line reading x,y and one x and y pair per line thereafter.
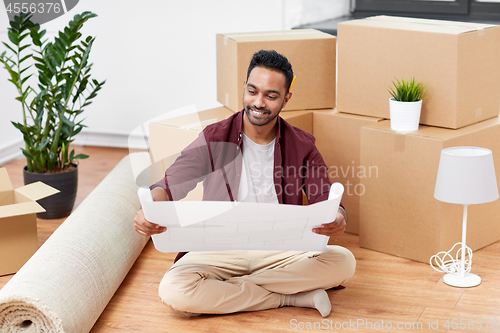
x,y
444,261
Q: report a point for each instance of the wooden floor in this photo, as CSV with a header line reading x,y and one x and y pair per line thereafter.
x,y
386,293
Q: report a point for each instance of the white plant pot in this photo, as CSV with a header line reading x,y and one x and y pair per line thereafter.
x,y
405,116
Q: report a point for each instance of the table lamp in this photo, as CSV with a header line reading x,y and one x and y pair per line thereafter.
x,y
466,175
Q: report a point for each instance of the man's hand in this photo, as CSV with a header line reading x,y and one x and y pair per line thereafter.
x,y
335,228
145,227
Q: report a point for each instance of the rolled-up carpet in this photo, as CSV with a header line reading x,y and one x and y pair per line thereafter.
x,y
69,281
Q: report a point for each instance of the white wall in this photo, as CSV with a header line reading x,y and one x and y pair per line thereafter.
x,y
10,109
157,56
300,12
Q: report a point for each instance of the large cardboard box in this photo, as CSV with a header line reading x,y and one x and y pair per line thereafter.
x,y
18,230
338,137
311,53
456,61
399,214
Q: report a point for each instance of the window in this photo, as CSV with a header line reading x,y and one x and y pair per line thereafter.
x,y
467,10
488,9
415,6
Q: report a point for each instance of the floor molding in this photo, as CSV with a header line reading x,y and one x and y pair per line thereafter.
x,y
11,151
134,141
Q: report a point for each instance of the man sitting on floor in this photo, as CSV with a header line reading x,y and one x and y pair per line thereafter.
x,y
279,162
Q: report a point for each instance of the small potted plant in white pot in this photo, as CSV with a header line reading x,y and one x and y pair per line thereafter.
x,y
405,105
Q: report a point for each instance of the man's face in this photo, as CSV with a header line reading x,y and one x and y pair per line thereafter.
x,y
264,96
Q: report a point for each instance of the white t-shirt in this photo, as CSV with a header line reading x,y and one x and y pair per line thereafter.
x,y
257,181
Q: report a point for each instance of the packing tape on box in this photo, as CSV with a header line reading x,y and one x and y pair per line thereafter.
x,y
399,143
437,23
478,113
278,33
199,124
69,281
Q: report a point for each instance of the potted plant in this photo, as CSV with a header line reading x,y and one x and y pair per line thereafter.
x,y
52,106
405,105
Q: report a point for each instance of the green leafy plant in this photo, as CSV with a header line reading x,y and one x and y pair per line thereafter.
x,y
407,91
51,109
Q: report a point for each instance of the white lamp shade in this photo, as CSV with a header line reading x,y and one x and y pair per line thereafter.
x,y
466,176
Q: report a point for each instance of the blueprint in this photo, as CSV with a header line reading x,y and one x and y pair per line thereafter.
x,y
225,225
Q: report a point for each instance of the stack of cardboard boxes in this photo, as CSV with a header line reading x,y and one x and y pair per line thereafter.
x,y
458,64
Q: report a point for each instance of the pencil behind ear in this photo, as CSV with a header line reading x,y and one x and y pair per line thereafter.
x,y
291,84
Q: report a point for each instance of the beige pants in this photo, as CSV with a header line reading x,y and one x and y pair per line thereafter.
x,y
234,281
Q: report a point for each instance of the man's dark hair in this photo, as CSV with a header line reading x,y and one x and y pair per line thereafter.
x,y
274,61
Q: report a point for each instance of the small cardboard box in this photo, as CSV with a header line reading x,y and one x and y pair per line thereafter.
x,y
399,214
311,53
338,141
456,61
18,230
167,138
